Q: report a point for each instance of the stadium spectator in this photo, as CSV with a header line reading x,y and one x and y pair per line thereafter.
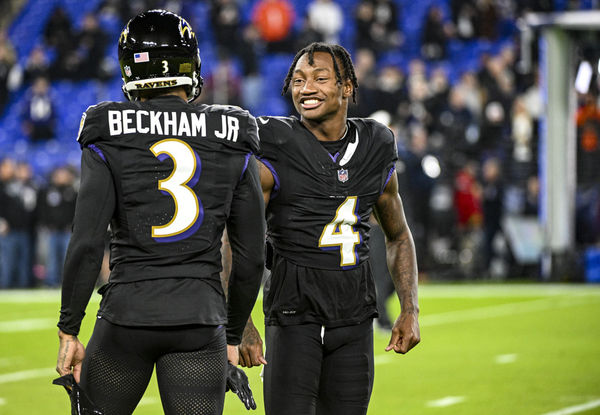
x,y
492,195
377,25
588,140
91,45
18,211
226,19
56,209
467,197
39,112
7,173
37,65
223,85
366,95
9,70
464,16
274,20
436,33
487,19
389,89
326,17
420,186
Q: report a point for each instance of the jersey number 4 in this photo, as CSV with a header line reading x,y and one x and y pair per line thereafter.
x,y
340,232
189,212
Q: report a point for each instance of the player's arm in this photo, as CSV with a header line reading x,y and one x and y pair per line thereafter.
x,y
94,209
402,262
245,231
251,348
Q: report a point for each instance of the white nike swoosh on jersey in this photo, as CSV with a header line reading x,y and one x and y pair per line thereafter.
x,y
349,151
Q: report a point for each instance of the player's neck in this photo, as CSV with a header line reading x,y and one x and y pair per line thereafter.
x,y
328,130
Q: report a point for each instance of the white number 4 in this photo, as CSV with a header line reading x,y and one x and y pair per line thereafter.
x,y
340,232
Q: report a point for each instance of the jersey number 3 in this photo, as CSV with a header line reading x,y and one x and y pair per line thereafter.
x,y
340,232
189,212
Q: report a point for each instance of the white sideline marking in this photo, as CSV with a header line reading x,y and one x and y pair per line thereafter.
x,y
26,374
30,324
576,408
447,401
148,400
382,359
503,359
484,313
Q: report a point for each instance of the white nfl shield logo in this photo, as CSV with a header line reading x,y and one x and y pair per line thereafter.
x,y
127,69
343,175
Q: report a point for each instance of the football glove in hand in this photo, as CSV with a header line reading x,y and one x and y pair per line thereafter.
x,y
80,403
237,382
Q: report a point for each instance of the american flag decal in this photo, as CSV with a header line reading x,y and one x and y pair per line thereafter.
x,y
141,57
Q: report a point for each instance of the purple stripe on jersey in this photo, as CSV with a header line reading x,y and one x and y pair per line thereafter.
x,y
389,177
97,151
334,157
245,165
277,185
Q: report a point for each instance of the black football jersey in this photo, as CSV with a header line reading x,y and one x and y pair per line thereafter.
x,y
175,167
319,208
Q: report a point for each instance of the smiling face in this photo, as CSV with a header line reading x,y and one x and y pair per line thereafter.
x,y
317,94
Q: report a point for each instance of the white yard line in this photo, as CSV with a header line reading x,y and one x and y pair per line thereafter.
x,y
577,408
484,313
29,324
26,375
447,401
504,359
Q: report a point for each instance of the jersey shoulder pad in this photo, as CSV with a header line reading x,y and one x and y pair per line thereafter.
x,y
248,128
274,133
381,135
90,126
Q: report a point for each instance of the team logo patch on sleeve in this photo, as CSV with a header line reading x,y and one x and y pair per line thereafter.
x,y
81,123
141,57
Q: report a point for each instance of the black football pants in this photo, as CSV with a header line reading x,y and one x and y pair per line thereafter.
x,y
316,371
190,367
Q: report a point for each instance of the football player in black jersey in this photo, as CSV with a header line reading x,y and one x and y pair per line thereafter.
x,y
168,177
322,176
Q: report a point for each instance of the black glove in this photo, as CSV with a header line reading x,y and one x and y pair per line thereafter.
x,y
237,381
80,403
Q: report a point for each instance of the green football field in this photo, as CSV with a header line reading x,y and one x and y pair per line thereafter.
x,y
486,349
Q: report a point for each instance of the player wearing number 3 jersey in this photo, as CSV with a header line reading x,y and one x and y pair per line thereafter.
x,y
322,176
168,176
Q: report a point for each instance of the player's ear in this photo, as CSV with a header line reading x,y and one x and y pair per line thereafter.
x,y
348,88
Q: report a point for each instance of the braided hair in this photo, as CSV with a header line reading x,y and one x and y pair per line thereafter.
x,y
336,51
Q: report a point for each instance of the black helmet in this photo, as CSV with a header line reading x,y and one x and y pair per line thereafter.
x,y
158,49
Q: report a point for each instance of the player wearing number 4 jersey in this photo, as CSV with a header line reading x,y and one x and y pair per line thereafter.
x,y
168,176
322,176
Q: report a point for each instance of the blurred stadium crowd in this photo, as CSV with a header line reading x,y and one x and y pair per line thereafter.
x,y
445,75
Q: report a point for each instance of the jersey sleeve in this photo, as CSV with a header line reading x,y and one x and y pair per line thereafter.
x,y
95,205
246,230
91,124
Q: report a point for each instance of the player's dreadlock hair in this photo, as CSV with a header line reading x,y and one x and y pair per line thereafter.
x,y
336,51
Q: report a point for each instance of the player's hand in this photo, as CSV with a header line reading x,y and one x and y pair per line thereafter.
x,y
251,348
237,381
70,355
405,333
233,355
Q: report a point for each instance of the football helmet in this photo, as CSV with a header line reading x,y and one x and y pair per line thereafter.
x,y
158,49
